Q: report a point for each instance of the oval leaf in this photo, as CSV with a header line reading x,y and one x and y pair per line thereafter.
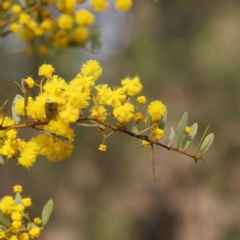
x,y
135,129
4,220
207,143
181,128
18,199
164,119
51,109
15,115
46,212
170,137
189,137
2,160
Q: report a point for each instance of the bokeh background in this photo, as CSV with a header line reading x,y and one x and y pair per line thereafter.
x,y
187,54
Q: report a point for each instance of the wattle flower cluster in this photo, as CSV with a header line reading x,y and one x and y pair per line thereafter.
x,y
61,104
55,23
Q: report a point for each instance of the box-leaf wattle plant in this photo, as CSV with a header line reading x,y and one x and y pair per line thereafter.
x,y
61,104
47,24
15,221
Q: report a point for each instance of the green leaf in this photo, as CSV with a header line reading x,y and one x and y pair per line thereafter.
x,y
181,128
46,212
170,137
164,119
51,109
94,39
2,108
31,225
135,129
207,143
18,199
4,219
23,3
2,160
19,87
202,138
15,115
189,137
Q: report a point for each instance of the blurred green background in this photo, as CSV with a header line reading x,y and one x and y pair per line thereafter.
x,y
187,54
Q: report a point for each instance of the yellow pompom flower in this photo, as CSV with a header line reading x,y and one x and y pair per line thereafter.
x,y
65,22
124,113
24,236
6,5
145,144
102,148
30,82
141,100
123,5
19,208
116,97
47,24
17,189
37,221
16,224
156,110
46,70
34,232
16,9
79,35
2,235
138,117
81,1
92,68
42,49
60,39
84,17
16,216
24,18
27,202
13,238
7,205
99,110
14,27
132,86
103,93
187,130
158,133
99,5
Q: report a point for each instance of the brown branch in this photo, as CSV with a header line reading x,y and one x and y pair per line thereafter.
x,y
116,129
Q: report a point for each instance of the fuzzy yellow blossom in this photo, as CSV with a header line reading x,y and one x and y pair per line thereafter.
x,y
28,155
26,34
19,208
187,130
145,144
13,238
16,224
47,24
138,117
24,18
7,205
81,1
79,35
65,21
24,236
42,49
92,68
55,85
38,32
124,112
19,106
85,82
2,235
69,114
9,149
37,221
46,70
11,134
99,5
27,202
16,8
30,82
123,5
132,86
102,148
141,100
103,93
6,5
66,6
99,110
14,27
116,97
60,39
17,189
156,110
84,17
158,133
16,216
35,232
